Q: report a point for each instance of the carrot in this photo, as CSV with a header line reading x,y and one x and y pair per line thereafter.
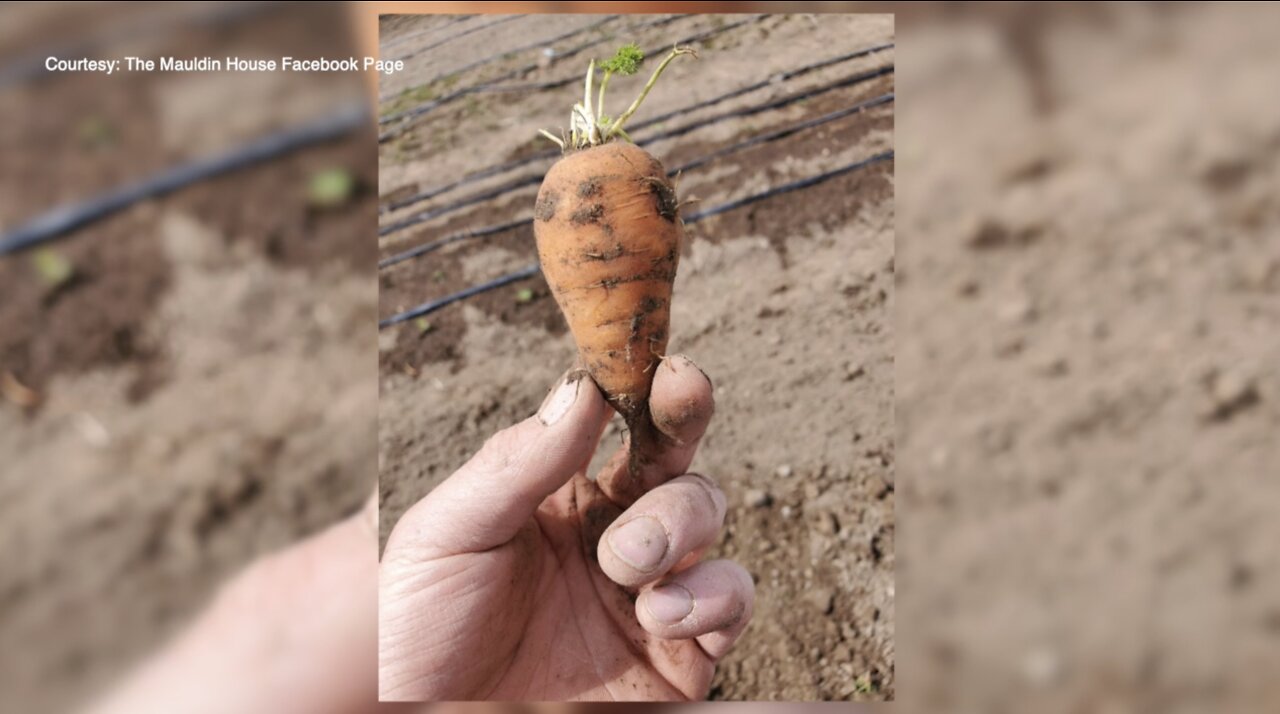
x,y
609,232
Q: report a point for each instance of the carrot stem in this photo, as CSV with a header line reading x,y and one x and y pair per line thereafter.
x,y
604,82
616,127
588,114
588,126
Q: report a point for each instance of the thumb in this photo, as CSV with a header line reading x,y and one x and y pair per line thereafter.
x,y
486,502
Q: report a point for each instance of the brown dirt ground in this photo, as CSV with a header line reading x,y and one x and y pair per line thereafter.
x,y
785,303
173,443
1088,401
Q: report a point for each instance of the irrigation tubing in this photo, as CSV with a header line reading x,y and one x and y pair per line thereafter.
x,y
435,245
438,244
557,83
483,26
557,56
532,270
429,307
517,163
421,109
494,58
777,78
417,110
769,106
789,187
423,216
65,219
420,33
784,133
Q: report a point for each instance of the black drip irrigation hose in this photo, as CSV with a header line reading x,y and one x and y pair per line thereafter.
x,y
776,79
417,110
494,58
789,187
438,244
65,219
532,270
451,38
494,84
655,50
430,307
471,200
783,133
469,178
517,163
433,246
414,35
424,216
769,106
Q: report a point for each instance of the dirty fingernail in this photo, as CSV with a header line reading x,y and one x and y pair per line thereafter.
x,y
559,401
669,604
640,543
686,362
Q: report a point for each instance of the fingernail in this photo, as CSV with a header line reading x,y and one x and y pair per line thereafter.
x,y
559,401
669,604
686,362
640,543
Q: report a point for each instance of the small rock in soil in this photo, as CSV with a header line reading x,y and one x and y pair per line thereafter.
x,y
1018,310
824,599
1053,366
758,498
783,471
826,523
1229,393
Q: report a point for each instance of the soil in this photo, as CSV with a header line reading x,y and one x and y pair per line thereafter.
x,y
171,443
786,303
1088,401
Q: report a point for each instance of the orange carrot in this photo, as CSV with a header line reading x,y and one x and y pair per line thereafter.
x,y
609,233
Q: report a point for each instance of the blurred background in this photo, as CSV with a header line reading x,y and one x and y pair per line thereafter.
x,y
189,382
1086,390
1089,333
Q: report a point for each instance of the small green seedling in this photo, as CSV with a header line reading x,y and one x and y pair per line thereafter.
x,y
95,132
330,188
423,325
54,269
524,295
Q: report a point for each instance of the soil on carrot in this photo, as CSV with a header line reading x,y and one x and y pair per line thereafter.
x,y
786,304
172,442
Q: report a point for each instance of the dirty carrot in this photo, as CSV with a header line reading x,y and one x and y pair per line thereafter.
x,y
609,233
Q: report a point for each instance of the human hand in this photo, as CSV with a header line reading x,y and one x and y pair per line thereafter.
x,y
518,578
293,632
